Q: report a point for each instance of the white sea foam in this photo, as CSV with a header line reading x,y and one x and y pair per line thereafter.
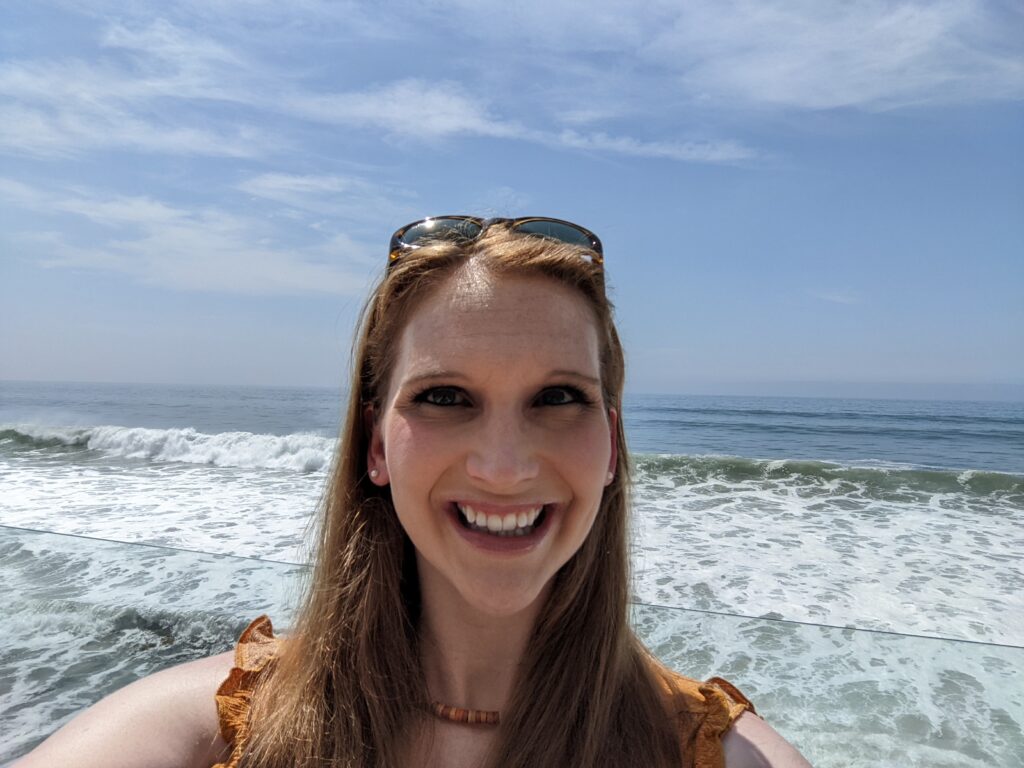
x,y
300,452
819,548
865,542
855,698
831,550
225,510
887,548
85,617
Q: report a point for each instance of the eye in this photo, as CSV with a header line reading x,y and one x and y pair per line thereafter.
x,y
443,397
564,395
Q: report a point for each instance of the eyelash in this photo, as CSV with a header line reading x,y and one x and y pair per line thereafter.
x,y
424,396
576,396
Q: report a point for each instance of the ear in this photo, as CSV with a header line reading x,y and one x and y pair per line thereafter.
x,y
376,463
613,434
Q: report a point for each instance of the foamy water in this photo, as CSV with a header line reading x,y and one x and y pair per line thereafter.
x,y
858,699
879,548
825,530
83,618
88,617
875,548
124,487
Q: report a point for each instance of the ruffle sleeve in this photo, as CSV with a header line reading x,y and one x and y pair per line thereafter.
x,y
703,713
256,648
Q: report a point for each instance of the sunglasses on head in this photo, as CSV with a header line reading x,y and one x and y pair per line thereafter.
x,y
467,228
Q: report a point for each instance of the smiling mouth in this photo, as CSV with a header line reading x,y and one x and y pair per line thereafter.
x,y
521,523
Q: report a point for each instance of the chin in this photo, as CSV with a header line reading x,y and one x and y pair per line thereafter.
x,y
503,600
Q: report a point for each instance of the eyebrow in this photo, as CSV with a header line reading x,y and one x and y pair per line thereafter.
x,y
443,374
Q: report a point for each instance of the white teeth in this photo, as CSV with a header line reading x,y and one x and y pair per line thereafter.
x,y
514,524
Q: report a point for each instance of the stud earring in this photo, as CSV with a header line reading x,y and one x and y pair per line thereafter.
x,y
374,473
611,476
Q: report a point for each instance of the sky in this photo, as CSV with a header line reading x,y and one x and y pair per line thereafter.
x,y
798,197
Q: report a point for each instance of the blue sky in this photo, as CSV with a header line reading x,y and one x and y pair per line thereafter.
x,y
795,197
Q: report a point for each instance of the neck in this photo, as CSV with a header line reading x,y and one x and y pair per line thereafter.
x,y
470,658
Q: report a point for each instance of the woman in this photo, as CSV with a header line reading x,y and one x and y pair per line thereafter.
x,y
469,602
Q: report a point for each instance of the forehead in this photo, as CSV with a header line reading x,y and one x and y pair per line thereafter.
x,y
476,320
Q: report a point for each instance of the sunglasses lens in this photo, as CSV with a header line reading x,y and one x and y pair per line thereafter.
x,y
462,229
441,229
556,230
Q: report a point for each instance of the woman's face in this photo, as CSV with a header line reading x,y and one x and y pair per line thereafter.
x,y
494,436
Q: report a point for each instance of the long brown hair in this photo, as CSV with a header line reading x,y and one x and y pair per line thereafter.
x,y
348,689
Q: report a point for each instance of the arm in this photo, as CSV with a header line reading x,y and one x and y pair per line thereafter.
x,y
752,743
166,720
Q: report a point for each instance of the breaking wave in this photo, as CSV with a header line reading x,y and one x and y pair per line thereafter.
x,y
301,452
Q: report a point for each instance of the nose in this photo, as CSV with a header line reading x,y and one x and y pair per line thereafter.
x,y
503,454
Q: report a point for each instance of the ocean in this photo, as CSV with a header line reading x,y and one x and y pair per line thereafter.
x,y
854,566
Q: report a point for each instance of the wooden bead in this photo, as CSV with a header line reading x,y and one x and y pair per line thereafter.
x,y
465,716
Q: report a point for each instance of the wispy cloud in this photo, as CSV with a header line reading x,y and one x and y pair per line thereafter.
x,y
154,88
429,111
798,54
162,86
502,201
408,108
874,54
349,198
194,249
22,195
67,107
189,54
871,54
838,297
689,151
167,82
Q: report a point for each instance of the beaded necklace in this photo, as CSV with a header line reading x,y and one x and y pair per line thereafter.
x,y
466,716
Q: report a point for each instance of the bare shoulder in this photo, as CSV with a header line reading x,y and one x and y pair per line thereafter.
x,y
752,743
166,720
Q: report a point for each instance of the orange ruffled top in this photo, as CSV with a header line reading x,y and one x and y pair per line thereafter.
x,y
704,711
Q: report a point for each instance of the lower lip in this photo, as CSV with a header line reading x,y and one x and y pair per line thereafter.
x,y
502,544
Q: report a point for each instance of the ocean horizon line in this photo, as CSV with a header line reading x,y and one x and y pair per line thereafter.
x,y
1010,391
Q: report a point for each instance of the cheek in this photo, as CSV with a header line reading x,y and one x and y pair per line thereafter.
x,y
415,456
588,450
407,444
410,473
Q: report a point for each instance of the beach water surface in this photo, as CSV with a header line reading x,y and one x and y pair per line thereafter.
x,y
853,565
